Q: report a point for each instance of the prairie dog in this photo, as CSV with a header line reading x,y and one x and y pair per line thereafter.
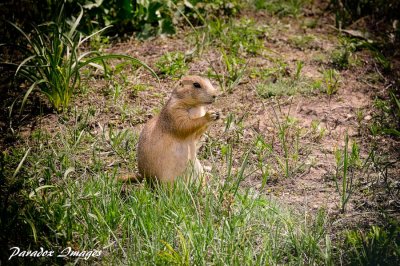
x,y
167,143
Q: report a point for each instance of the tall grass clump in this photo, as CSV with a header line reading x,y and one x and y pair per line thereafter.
x,y
53,58
377,246
347,160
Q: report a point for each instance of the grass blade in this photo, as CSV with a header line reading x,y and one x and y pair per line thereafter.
x,y
93,34
26,60
119,56
21,163
29,92
76,23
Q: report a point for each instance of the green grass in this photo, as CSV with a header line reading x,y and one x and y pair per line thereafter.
x,y
235,40
71,198
59,189
302,42
284,87
346,164
331,81
342,56
281,8
172,64
278,82
239,37
377,246
185,225
229,71
387,117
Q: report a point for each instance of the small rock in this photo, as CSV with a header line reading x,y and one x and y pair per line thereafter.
x,y
367,118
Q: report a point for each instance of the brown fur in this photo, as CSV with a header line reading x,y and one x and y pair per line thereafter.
x,y
167,143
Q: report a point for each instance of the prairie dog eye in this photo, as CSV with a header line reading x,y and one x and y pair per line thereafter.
x,y
197,85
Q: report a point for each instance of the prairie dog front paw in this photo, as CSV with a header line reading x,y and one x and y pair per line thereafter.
x,y
212,115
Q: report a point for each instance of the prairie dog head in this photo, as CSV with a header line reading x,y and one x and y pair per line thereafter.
x,y
195,90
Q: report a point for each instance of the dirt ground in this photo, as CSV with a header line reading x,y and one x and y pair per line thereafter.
x,y
313,187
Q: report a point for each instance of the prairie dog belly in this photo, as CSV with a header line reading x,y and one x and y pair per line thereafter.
x,y
196,112
187,152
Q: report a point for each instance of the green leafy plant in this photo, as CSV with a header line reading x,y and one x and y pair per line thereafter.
x,y
262,150
279,69
149,18
302,42
317,130
299,67
54,58
388,116
122,143
281,8
238,37
341,56
282,86
278,82
331,81
289,140
280,157
172,64
231,73
378,246
395,130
